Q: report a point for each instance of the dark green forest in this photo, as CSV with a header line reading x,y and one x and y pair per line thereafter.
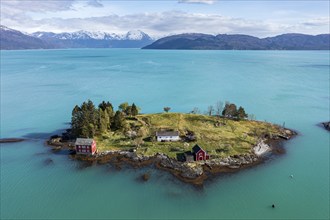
x,y
88,120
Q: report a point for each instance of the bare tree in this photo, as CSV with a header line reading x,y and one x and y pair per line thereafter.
x,y
251,117
210,110
195,111
218,108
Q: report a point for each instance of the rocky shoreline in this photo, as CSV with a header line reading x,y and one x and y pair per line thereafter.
x,y
190,172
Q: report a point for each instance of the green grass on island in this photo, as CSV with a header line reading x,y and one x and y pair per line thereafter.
x,y
220,137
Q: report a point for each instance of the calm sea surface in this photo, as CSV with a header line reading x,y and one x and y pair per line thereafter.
x,y
40,88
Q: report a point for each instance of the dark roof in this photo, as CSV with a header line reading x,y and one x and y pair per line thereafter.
x,y
84,141
188,153
197,148
167,133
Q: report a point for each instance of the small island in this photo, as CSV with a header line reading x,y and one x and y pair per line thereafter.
x,y
192,146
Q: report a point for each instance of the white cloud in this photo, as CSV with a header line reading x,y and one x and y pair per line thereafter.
x,y
209,2
95,3
158,24
68,16
36,6
318,22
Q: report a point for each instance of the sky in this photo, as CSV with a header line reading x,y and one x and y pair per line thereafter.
x,y
260,18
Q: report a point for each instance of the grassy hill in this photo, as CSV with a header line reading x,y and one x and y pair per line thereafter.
x,y
218,136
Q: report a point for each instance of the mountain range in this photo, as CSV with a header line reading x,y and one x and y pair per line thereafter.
x,y
199,41
12,39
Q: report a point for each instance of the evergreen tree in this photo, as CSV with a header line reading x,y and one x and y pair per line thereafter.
x,y
108,107
84,120
103,105
135,110
84,131
76,121
88,119
241,113
118,120
91,113
128,110
103,121
110,115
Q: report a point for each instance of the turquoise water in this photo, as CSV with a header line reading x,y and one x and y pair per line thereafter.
x,y
40,88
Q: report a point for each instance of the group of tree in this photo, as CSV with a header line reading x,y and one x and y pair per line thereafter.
x,y
229,110
87,120
128,110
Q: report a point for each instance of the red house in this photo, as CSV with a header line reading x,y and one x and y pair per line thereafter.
x,y
85,146
199,153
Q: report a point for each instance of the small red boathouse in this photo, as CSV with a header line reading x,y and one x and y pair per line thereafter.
x,y
199,153
85,146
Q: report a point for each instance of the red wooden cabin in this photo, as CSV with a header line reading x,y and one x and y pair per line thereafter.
x,y
199,153
85,146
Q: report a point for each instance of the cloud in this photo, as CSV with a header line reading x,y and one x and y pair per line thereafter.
x,y
95,3
317,22
69,16
36,6
158,24
209,2
21,14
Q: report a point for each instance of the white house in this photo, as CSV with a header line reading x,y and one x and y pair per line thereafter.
x,y
167,136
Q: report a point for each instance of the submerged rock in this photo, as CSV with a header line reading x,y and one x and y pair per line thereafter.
x,y
326,125
145,177
11,140
48,161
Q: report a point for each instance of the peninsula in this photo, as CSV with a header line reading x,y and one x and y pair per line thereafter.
x,y
191,146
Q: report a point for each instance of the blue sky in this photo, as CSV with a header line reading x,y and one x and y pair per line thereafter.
x,y
260,18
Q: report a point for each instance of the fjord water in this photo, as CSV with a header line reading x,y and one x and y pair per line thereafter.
x,y
40,88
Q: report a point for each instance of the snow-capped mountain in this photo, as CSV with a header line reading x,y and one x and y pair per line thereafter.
x,y
87,39
136,35
4,28
82,35
86,35
13,39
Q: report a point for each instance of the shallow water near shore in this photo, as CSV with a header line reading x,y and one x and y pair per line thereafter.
x,y
40,87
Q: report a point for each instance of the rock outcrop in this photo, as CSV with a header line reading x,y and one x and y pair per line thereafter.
x,y
326,125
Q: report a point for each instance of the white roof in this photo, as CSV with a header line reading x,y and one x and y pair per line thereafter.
x,y
84,141
167,133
